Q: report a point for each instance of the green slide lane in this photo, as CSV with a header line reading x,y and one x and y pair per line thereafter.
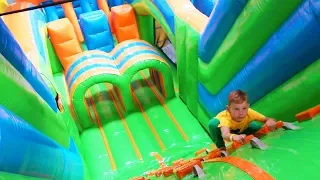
x,y
189,123
121,148
95,154
176,146
142,134
168,133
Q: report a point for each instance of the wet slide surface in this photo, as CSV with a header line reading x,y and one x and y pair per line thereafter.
x,y
122,146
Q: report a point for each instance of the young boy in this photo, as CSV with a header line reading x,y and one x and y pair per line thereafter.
x,y
237,121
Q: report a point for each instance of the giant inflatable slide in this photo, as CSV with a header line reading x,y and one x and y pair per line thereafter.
x,y
89,90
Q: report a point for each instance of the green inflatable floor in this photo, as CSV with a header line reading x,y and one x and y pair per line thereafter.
x,y
127,146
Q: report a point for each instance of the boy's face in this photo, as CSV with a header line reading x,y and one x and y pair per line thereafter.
x,y
238,111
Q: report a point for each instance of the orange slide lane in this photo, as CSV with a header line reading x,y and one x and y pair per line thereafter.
x,y
134,145
88,108
154,132
159,159
105,141
173,119
251,169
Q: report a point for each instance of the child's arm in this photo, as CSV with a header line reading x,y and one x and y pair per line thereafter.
x,y
270,122
225,132
226,135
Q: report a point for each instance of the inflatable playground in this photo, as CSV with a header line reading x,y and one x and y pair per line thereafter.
x,y
112,89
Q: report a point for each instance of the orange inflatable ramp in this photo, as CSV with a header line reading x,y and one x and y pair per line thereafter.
x,y
124,23
308,114
64,40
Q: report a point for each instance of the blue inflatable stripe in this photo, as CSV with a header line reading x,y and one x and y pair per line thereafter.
x,y
205,6
85,69
166,11
127,46
291,49
85,58
220,22
26,151
11,50
128,57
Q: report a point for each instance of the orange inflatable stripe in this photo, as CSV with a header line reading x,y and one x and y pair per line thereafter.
x,y
125,43
88,110
90,73
308,114
162,85
134,49
133,143
71,15
148,120
130,50
139,58
84,64
64,40
120,99
74,58
104,137
173,119
251,169
124,22
159,159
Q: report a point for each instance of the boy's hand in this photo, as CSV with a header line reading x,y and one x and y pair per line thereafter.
x,y
271,124
239,138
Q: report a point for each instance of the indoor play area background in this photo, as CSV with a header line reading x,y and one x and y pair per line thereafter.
x,y
139,81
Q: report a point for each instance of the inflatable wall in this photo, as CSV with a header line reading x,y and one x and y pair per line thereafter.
x,y
88,91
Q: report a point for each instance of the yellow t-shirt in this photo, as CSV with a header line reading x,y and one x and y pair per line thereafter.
x,y
226,120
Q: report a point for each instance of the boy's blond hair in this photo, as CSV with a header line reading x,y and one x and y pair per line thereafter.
x,y
237,97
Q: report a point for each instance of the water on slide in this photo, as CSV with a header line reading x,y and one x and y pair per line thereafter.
x,y
121,146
